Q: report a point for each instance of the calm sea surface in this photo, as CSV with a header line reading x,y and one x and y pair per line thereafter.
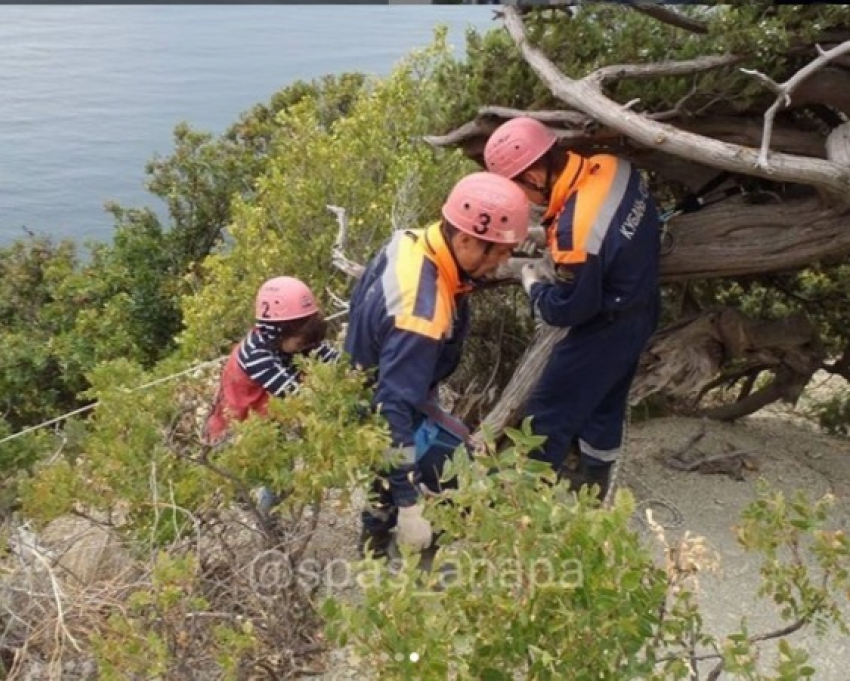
x,y
88,94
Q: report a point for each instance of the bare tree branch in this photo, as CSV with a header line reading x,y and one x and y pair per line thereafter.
x,y
338,258
585,96
657,69
671,17
484,125
470,130
568,118
678,108
743,130
784,90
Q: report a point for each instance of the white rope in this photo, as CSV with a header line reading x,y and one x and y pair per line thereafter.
x,y
91,406
151,384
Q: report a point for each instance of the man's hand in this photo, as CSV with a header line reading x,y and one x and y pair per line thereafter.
x,y
413,530
527,249
534,243
400,456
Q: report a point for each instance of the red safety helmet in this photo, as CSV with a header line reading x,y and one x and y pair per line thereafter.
x,y
284,298
515,145
489,207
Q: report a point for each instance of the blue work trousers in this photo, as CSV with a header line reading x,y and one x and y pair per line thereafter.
x,y
436,439
583,391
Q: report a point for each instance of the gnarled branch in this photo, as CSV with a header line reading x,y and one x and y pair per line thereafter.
x,y
568,118
588,137
671,17
658,69
683,360
584,95
784,90
338,257
732,239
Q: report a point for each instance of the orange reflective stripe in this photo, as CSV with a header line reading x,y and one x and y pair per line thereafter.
x,y
594,192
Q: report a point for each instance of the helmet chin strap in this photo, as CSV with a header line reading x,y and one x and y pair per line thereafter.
x,y
548,186
550,171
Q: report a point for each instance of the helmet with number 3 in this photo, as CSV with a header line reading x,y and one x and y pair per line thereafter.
x,y
489,207
284,298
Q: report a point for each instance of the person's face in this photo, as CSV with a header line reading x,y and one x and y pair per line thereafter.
x,y
295,344
476,259
533,184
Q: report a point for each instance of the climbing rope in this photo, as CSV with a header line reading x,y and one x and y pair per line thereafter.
x,y
648,501
91,406
151,384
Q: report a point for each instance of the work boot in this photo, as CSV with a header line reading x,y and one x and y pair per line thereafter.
x,y
588,475
376,531
598,475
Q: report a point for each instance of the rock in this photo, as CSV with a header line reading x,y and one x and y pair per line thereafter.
x,y
85,552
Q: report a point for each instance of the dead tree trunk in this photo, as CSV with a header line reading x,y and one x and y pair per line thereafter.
x,y
683,361
507,410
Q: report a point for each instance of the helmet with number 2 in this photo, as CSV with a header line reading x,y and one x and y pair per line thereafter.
x,y
488,207
284,298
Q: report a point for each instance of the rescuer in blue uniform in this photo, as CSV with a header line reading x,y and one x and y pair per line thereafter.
x,y
408,320
603,235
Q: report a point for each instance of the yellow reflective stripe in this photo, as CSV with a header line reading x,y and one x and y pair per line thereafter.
x,y
401,281
408,270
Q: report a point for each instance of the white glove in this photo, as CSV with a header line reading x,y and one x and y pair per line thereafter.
x,y
527,248
413,530
399,456
530,275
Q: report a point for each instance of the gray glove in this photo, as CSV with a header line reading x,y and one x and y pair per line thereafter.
x,y
534,242
527,248
413,530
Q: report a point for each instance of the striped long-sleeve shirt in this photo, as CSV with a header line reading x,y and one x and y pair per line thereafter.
x,y
264,363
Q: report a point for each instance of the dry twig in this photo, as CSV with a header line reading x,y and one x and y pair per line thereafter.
x,y
784,90
338,257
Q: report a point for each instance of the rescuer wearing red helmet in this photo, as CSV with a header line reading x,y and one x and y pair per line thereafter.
x,y
603,234
409,317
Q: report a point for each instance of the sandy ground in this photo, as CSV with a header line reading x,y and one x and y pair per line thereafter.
x,y
790,456
788,452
